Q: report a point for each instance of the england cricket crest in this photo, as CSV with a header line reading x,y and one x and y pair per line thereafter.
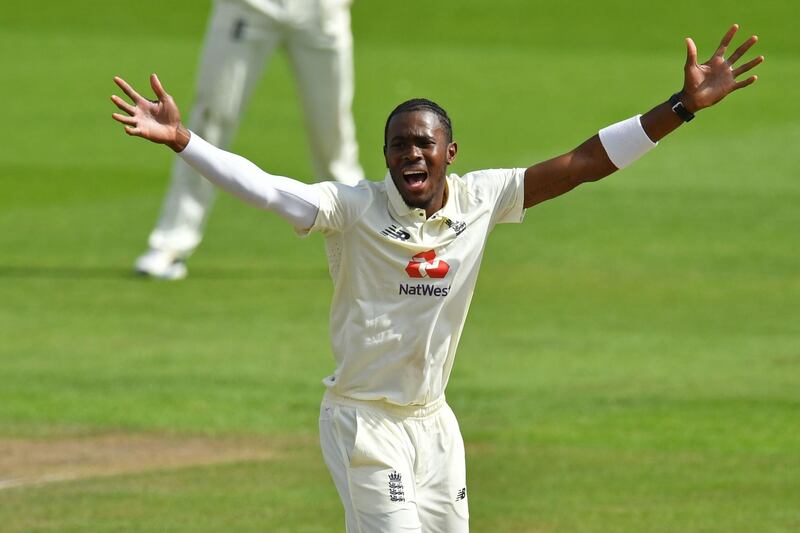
x,y
396,492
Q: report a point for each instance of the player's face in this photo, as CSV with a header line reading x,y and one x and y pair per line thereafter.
x,y
417,153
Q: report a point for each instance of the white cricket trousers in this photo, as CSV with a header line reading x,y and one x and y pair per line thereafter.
x,y
397,469
241,37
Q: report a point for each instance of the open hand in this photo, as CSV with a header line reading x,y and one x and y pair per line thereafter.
x,y
155,120
705,85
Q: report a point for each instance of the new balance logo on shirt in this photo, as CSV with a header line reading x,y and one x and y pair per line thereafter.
x,y
396,232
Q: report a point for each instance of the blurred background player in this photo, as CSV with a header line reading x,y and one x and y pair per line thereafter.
x,y
241,37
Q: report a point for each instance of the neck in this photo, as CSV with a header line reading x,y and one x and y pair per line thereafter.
x,y
429,211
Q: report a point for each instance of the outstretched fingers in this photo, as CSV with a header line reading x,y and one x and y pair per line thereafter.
x,y
726,40
744,83
747,66
155,83
123,105
127,89
130,121
691,52
744,47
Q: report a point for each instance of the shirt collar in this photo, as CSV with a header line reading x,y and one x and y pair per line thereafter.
x,y
401,208
398,205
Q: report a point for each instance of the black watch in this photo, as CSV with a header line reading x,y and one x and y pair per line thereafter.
x,y
679,109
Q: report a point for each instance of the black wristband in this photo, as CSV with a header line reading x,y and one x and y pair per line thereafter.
x,y
679,109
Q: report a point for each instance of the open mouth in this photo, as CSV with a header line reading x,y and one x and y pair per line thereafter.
x,y
415,179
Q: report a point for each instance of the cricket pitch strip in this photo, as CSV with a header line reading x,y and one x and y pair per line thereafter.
x,y
27,462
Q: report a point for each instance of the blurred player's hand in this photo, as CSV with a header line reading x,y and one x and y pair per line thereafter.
x,y
705,85
155,120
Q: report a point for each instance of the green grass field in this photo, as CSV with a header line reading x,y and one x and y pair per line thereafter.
x,y
631,362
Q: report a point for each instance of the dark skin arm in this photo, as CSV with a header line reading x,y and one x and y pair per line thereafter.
x,y
704,85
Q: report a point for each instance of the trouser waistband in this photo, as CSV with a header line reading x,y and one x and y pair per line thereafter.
x,y
403,411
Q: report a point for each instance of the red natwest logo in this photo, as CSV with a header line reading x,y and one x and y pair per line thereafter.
x,y
426,265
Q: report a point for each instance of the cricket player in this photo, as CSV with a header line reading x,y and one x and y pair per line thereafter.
x,y
241,37
404,255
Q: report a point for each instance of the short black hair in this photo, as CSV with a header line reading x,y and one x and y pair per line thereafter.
x,y
417,104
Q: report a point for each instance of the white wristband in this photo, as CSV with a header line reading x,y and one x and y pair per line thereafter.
x,y
626,141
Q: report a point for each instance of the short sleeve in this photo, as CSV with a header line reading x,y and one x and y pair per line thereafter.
x,y
340,205
501,190
510,204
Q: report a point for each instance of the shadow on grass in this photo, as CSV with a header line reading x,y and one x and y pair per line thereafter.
x,y
126,274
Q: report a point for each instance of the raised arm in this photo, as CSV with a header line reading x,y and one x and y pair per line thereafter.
x,y
159,121
618,145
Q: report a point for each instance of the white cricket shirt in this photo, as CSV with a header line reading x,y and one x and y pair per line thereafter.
x,y
403,283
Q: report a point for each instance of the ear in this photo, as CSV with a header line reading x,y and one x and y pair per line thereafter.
x,y
452,150
384,156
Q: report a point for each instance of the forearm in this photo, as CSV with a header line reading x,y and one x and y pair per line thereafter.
x,y
293,200
660,121
622,143
614,147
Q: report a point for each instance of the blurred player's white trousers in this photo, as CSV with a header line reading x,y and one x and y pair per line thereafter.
x,y
395,468
241,37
